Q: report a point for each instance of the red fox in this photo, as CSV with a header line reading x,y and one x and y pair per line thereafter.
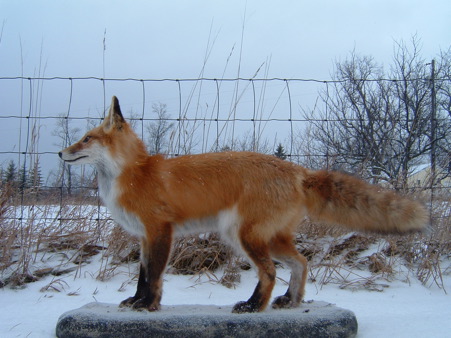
x,y
254,201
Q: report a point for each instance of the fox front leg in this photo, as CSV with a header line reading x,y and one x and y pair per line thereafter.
x,y
140,292
154,257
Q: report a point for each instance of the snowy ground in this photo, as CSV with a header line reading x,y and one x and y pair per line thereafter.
x,y
401,310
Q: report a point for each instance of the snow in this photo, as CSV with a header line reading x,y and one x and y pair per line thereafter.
x,y
401,310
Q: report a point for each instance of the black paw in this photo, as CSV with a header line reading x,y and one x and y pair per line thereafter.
x,y
282,302
245,307
128,302
146,304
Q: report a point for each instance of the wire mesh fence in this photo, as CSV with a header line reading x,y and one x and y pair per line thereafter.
x,y
50,213
41,115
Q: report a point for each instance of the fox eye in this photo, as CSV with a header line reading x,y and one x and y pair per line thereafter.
x,y
86,139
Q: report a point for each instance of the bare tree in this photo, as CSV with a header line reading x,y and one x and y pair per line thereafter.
x,y
357,121
67,135
412,98
374,123
159,130
443,92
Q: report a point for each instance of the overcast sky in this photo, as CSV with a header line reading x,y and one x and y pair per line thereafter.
x,y
170,39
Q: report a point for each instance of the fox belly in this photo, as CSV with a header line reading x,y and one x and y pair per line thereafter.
x,y
226,222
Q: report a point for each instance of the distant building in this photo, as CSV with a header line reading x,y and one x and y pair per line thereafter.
x,y
421,177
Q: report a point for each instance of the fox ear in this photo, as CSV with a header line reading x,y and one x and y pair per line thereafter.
x,y
114,118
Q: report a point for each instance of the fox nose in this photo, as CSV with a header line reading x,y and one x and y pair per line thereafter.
x,y
60,154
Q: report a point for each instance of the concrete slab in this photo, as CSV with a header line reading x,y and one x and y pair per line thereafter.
x,y
314,319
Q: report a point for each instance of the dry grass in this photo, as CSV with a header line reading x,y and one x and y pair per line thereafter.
x,y
199,253
46,239
369,261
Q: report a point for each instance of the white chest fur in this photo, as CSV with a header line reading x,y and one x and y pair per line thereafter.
x,y
109,193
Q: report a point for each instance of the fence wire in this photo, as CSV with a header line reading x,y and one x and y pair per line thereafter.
x,y
41,115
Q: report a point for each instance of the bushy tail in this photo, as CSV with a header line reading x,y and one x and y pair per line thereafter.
x,y
342,199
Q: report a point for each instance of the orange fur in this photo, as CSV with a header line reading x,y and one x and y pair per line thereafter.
x,y
254,201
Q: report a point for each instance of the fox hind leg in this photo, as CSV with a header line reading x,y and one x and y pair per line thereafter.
x,y
258,252
283,249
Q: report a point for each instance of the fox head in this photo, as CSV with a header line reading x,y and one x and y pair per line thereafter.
x,y
112,141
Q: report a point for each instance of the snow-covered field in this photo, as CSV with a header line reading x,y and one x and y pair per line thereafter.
x,y
401,310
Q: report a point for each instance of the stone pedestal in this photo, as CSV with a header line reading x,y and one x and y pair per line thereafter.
x,y
315,319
